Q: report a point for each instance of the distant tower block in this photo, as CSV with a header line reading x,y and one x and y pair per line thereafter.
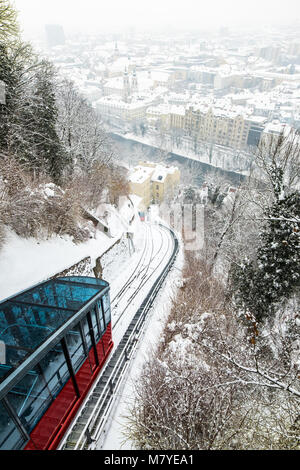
x,y
116,53
126,86
134,83
55,35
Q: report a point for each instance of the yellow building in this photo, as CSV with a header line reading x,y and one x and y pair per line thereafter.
x,y
222,127
140,185
153,182
164,181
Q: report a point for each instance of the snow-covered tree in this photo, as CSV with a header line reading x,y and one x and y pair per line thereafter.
x,y
9,27
214,384
49,149
272,275
16,64
80,128
34,139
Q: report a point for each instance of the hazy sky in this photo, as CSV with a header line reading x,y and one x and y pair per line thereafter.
x,y
114,14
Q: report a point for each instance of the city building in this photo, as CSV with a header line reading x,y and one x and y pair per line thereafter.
x,y
226,127
153,182
121,114
159,116
189,94
140,185
164,181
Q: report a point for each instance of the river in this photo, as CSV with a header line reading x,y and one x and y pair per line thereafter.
x,y
131,152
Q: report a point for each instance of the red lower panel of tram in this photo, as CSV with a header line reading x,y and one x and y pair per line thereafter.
x,y
52,426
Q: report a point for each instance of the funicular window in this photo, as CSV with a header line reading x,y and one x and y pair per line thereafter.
x,y
96,324
28,326
86,332
10,436
89,343
75,347
55,370
14,355
106,306
101,317
59,294
30,398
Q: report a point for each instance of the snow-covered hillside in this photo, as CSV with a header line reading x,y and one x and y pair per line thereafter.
x,y
25,262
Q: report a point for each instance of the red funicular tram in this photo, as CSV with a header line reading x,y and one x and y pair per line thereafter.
x,y
57,337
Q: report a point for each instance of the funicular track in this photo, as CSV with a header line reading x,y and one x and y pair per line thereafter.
x,y
134,273
87,428
143,275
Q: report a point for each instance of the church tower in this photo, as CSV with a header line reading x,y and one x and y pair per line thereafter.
x,y
126,86
116,52
134,83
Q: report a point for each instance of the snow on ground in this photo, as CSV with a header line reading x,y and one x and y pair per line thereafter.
x,y
114,439
122,259
26,262
158,251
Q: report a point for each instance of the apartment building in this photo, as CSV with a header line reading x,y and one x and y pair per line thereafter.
x,y
159,116
164,182
119,112
153,182
222,127
140,185
177,117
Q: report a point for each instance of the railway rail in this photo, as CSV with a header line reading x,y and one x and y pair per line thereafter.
x,y
89,424
142,276
134,273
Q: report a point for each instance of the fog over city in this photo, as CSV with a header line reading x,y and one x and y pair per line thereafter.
x,y
119,14
155,71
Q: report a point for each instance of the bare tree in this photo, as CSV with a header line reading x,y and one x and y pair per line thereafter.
x,y
214,384
81,129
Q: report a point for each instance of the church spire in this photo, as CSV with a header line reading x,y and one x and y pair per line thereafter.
x,y
126,86
116,53
134,83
